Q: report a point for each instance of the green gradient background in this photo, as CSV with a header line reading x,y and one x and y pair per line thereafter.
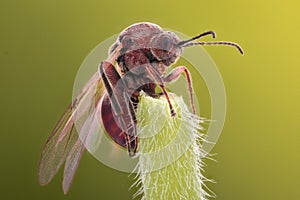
x,y
42,44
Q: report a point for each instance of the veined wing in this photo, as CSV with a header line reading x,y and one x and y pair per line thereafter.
x,y
64,144
89,136
72,162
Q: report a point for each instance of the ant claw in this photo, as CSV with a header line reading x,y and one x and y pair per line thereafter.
x,y
173,113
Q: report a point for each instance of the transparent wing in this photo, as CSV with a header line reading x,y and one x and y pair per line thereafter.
x,y
54,152
89,136
64,144
71,165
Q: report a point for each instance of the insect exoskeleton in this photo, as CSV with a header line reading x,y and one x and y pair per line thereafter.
x,y
137,62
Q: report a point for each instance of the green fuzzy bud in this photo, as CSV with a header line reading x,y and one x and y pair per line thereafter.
x,y
169,151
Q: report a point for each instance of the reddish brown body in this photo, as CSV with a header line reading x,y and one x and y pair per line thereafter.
x,y
142,53
146,51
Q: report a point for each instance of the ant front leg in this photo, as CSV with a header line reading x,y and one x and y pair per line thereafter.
x,y
153,74
174,75
122,107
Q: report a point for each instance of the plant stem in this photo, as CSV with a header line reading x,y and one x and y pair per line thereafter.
x,y
169,151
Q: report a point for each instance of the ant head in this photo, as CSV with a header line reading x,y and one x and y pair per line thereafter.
x,y
164,47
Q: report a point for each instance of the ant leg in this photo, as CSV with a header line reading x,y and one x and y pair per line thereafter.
x,y
159,80
174,75
132,144
121,105
173,113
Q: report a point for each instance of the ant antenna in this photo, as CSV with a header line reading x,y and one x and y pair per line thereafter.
x,y
181,43
216,43
187,43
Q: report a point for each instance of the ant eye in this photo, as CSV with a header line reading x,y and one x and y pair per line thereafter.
x,y
162,47
166,43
